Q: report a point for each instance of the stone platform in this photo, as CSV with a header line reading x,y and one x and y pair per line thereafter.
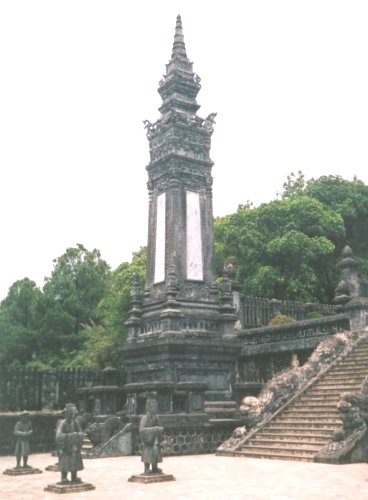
x,y
151,478
53,468
22,471
69,488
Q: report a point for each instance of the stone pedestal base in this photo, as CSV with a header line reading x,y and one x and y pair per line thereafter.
x,y
69,488
53,468
151,478
22,471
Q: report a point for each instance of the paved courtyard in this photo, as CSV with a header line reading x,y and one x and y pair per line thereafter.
x,y
197,477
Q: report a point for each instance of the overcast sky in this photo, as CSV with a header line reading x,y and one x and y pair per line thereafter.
x,y
288,80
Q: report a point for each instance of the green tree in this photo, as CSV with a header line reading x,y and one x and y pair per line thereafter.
x,y
19,323
283,249
103,340
294,185
70,298
350,200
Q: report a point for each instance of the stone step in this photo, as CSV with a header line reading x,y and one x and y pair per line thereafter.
x,y
353,376
359,356
342,372
359,348
274,456
262,450
228,411
297,425
350,378
330,392
335,384
311,408
295,417
351,364
220,404
328,398
346,367
317,405
310,416
233,422
300,433
327,390
287,443
339,378
319,435
330,386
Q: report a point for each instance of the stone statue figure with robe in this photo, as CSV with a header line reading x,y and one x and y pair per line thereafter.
x,y
22,432
150,433
69,439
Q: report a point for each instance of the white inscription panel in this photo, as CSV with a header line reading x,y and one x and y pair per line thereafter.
x,y
160,238
194,238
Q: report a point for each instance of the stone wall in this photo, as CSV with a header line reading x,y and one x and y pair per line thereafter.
x,y
257,311
48,389
191,440
269,350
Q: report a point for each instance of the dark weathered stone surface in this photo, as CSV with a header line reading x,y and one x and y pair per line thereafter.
x,y
349,445
53,468
151,478
256,411
22,471
177,328
69,488
119,444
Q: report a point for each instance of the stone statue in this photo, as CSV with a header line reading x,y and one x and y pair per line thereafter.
x,y
22,432
150,127
150,433
250,408
69,439
209,121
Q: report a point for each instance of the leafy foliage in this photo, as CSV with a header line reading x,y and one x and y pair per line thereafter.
x,y
103,341
19,323
282,249
69,300
349,199
281,319
294,185
77,319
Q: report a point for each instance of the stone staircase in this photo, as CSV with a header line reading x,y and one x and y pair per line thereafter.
x,y
87,446
225,412
302,427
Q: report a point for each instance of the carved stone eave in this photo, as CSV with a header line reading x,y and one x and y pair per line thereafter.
x,y
174,155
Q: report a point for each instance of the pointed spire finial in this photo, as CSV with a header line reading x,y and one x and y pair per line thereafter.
x,y
179,45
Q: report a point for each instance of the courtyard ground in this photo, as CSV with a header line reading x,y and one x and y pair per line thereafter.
x,y
197,477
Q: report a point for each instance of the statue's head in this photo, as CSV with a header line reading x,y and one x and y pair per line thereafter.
x,y
70,411
24,416
250,409
151,406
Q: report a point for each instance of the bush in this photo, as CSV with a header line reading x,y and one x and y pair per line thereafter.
x,y
280,319
314,315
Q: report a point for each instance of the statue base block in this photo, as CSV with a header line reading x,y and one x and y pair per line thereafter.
x,y
22,471
53,468
69,488
151,478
